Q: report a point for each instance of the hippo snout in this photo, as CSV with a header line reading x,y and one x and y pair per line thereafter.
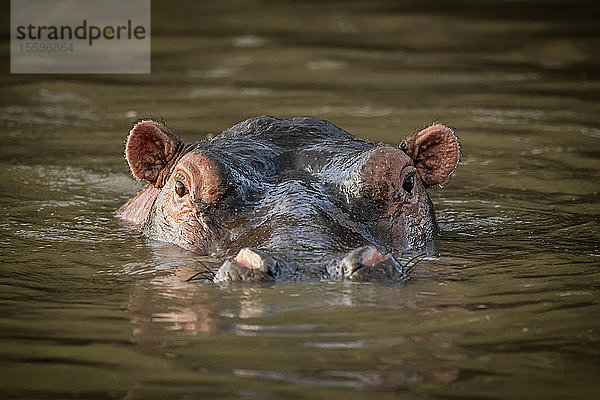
x,y
365,264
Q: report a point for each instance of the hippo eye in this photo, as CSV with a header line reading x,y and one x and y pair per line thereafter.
x,y
409,183
180,188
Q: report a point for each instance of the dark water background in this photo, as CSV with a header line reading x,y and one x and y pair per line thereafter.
x,y
509,307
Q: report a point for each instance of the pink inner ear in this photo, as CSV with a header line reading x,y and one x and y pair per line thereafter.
x,y
149,148
435,151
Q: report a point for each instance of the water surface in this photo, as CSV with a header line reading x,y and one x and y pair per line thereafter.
x,y
508,306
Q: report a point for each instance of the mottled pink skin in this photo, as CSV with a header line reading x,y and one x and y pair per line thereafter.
x,y
372,257
284,193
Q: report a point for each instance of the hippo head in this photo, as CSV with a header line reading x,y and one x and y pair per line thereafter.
x,y
292,198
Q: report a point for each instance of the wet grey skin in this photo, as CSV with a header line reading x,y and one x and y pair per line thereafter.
x,y
290,199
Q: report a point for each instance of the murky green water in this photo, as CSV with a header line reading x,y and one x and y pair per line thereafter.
x,y
509,307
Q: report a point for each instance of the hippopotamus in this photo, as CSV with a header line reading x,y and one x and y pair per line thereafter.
x,y
290,199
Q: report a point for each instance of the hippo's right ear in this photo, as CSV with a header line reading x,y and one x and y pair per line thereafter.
x,y
150,148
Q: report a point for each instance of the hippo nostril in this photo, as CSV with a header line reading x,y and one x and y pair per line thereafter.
x,y
368,264
250,265
249,258
356,269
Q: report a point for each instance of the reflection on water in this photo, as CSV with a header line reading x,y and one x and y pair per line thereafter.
x,y
506,308
171,317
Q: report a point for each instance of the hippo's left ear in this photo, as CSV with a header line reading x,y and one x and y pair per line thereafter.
x,y
435,152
